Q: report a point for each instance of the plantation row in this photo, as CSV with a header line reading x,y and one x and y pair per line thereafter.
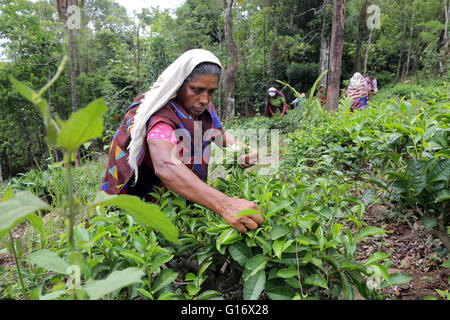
x,y
332,168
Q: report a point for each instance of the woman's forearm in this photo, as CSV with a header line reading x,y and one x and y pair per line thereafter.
x,y
181,180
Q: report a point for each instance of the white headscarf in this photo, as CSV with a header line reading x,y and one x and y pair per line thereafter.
x,y
357,87
164,89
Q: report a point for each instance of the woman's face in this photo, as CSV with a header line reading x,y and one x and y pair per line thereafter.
x,y
195,96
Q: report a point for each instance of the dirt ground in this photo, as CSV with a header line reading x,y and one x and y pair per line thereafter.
x,y
415,253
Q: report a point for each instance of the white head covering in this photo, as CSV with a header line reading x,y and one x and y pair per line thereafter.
x,y
357,87
272,91
164,89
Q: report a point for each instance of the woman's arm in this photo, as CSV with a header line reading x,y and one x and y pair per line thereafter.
x,y
284,108
178,178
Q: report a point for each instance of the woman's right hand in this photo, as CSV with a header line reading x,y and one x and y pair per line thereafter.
x,y
242,223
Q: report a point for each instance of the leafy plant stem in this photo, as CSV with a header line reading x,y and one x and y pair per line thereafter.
x,y
55,77
298,263
16,259
70,201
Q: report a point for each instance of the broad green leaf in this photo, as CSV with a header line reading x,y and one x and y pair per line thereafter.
x,y
279,231
369,231
381,270
7,195
397,279
167,296
48,260
193,289
429,222
376,257
446,264
145,293
144,212
165,277
228,236
36,222
278,247
203,268
23,89
18,208
368,197
289,272
100,235
116,280
255,264
210,295
394,137
317,280
52,295
133,255
440,172
254,286
281,293
442,195
277,207
419,179
82,126
247,212
336,229
379,183
159,261
346,286
240,253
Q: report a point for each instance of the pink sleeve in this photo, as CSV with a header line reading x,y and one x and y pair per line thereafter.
x,y
162,131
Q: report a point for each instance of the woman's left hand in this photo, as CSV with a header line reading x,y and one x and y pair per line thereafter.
x,y
248,160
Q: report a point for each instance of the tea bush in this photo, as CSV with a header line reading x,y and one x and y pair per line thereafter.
x,y
332,167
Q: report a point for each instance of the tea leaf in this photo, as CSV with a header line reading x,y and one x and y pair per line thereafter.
x,y
19,207
165,278
144,212
210,295
48,260
82,126
369,231
247,212
397,279
280,293
254,286
159,261
316,280
116,280
240,253
376,257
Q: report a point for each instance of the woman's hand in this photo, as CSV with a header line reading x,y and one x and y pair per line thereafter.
x,y
248,160
242,223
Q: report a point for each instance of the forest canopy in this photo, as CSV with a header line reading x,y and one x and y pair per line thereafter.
x,y
118,56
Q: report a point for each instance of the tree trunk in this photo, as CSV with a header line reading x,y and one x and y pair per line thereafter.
x,y
361,28
1,177
73,79
138,60
264,49
397,76
324,45
337,38
446,39
408,59
231,69
366,57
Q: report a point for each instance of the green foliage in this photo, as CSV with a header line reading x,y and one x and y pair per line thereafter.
x,y
69,135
